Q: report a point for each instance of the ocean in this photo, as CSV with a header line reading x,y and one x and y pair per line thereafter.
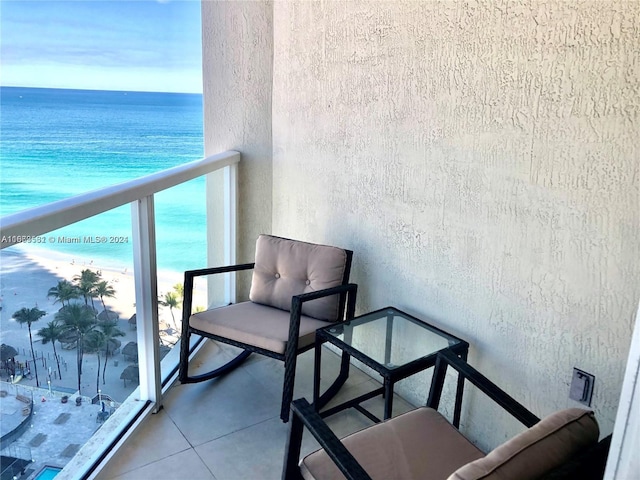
x,y
57,143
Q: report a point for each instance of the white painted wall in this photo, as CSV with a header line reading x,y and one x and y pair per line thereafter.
x,y
237,48
481,159
238,58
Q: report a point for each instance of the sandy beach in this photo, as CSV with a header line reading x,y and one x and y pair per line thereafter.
x,y
58,430
25,279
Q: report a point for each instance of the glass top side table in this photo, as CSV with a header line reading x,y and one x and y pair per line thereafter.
x,y
391,342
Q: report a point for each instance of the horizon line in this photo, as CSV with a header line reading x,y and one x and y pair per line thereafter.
x,y
98,90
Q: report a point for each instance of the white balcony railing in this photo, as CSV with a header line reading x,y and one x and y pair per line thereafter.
x,y
139,193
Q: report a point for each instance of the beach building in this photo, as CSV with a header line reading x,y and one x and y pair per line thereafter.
x,y
479,158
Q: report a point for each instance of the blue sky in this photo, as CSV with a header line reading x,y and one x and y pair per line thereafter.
x,y
134,45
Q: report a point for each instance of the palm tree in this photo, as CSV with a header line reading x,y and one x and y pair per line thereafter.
x,y
79,319
103,289
86,283
52,333
179,289
110,331
65,291
94,342
170,299
28,316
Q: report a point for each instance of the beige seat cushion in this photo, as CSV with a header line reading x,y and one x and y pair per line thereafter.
x,y
255,324
536,451
284,268
420,444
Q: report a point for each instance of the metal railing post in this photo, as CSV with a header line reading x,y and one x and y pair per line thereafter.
x,y
146,286
229,228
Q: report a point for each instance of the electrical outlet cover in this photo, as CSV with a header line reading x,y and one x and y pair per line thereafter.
x,y
581,387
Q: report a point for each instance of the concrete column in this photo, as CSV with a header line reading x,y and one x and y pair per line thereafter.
x,y
237,49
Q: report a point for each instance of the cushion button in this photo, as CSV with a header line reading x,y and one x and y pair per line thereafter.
x,y
308,282
277,275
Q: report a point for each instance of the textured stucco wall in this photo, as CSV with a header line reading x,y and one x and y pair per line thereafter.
x,y
237,44
481,159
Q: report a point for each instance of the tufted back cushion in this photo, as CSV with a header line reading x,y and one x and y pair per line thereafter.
x,y
285,268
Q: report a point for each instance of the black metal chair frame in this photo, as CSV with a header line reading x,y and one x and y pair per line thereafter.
x,y
305,415
347,292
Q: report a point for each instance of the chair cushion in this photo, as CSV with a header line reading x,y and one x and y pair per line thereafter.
x,y
541,448
284,268
255,324
420,444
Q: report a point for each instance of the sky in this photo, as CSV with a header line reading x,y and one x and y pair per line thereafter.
x,y
130,45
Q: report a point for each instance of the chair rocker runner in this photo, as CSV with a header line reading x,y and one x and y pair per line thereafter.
x,y
296,288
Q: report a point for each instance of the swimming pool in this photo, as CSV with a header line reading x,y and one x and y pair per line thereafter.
x,y
47,473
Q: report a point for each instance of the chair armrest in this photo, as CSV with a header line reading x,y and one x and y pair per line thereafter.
x,y
305,415
508,403
213,270
350,289
189,275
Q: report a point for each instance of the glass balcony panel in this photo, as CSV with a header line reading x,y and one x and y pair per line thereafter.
x,y
40,278
55,396
181,244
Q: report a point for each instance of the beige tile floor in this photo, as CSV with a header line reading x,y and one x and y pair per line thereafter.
x,y
229,428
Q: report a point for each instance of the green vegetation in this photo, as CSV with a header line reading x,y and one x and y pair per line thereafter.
x,y
94,342
110,331
29,316
171,300
52,333
78,320
102,290
65,291
86,284
79,324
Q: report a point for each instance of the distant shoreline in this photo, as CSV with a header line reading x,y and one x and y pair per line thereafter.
x,y
50,258
64,266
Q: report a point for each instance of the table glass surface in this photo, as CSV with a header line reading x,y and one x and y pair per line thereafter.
x,y
391,338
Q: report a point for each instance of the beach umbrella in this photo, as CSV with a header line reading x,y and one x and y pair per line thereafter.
x,y
7,352
68,339
130,351
130,373
107,315
132,322
114,344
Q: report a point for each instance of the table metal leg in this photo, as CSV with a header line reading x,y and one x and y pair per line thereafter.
x,y
459,390
388,398
317,364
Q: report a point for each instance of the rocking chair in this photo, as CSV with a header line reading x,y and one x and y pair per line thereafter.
x,y
422,444
296,288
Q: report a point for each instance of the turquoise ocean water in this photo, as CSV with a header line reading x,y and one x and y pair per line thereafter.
x,y
58,143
